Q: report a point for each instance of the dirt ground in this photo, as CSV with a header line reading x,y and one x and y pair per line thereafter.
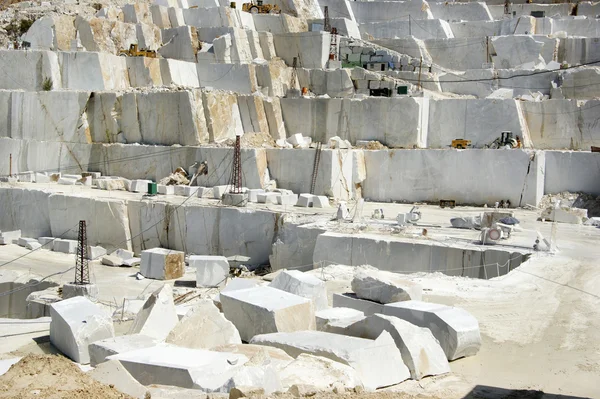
x,y
52,377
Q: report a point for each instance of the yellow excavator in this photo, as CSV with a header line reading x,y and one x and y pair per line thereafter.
x,y
135,52
259,8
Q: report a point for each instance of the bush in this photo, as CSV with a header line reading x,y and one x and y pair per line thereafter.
x,y
47,84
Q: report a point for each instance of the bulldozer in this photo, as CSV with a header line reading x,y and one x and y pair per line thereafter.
x,y
259,8
135,52
461,143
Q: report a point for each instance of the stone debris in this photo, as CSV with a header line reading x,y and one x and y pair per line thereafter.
x,y
319,372
162,264
420,350
384,287
158,316
104,348
304,285
113,261
377,362
204,327
263,310
456,329
76,323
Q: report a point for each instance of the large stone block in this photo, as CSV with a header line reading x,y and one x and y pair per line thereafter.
x,y
211,271
158,315
76,323
455,328
65,246
385,287
377,362
181,367
204,327
237,284
420,350
162,264
304,285
104,348
326,316
350,300
263,310
113,373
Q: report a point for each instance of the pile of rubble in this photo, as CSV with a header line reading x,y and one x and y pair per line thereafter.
x,y
269,337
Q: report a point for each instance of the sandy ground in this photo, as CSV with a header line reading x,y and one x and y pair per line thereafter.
x,y
540,323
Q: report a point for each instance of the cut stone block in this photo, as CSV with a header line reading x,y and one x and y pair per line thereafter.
x,y
211,271
33,245
42,178
305,200
277,355
158,315
420,350
95,253
323,317
267,198
456,329
166,364
253,194
66,181
189,191
139,186
179,189
113,261
204,327
38,302
123,254
287,199
76,323
205,192
304,285
263,310
131,262
22,241
165,190
350,300
65,246
162,264
102,349
7,237
73,290
113,373
320,201
235,199
377,362
47,242
237,284
218,191
320,372
384,287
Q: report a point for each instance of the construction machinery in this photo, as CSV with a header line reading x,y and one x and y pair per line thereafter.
x,y
506,140
257,7
461,143
447,203
135,52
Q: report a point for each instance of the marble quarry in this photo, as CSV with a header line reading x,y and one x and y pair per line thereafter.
x,y
318,255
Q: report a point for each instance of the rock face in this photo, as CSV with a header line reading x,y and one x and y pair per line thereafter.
x,y
102,349
263,310
304,285
420,350
384,287
377,362
320,372
204,326
76,323
158,315
162,264
456,329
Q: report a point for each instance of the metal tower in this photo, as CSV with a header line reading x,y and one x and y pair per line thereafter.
x,y
294,73
82,268
236,173
326,20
